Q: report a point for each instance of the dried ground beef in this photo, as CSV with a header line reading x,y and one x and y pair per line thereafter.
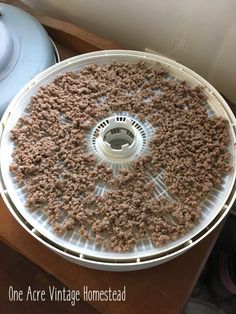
x,y
51,157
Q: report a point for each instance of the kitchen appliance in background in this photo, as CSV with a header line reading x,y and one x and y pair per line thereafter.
x,y
25,51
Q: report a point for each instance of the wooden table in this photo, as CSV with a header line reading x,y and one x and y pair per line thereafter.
x,y
162,289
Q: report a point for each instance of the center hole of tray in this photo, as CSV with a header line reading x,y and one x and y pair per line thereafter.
x,y
118,137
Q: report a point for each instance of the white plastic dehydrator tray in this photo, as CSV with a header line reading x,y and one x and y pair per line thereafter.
x,y
71,245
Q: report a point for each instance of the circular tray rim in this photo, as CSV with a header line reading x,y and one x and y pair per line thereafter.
x,y
146,56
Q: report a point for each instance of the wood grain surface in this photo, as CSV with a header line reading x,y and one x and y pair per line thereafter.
x,y
165,287
20,273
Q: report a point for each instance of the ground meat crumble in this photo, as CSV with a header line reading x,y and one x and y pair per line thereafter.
x,y
51,157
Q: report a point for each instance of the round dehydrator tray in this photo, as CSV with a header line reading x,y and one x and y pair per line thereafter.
x,y
71,245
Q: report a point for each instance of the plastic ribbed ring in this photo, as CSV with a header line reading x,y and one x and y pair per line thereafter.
x,y
118,139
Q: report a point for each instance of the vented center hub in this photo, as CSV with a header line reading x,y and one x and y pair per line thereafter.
x,y
118,139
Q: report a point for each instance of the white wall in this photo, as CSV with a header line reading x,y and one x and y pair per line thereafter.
x,y
201,34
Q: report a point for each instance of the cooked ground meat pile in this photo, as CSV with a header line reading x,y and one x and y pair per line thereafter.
x,y
51,158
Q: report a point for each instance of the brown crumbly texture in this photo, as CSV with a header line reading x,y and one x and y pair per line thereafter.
x,y
52,160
